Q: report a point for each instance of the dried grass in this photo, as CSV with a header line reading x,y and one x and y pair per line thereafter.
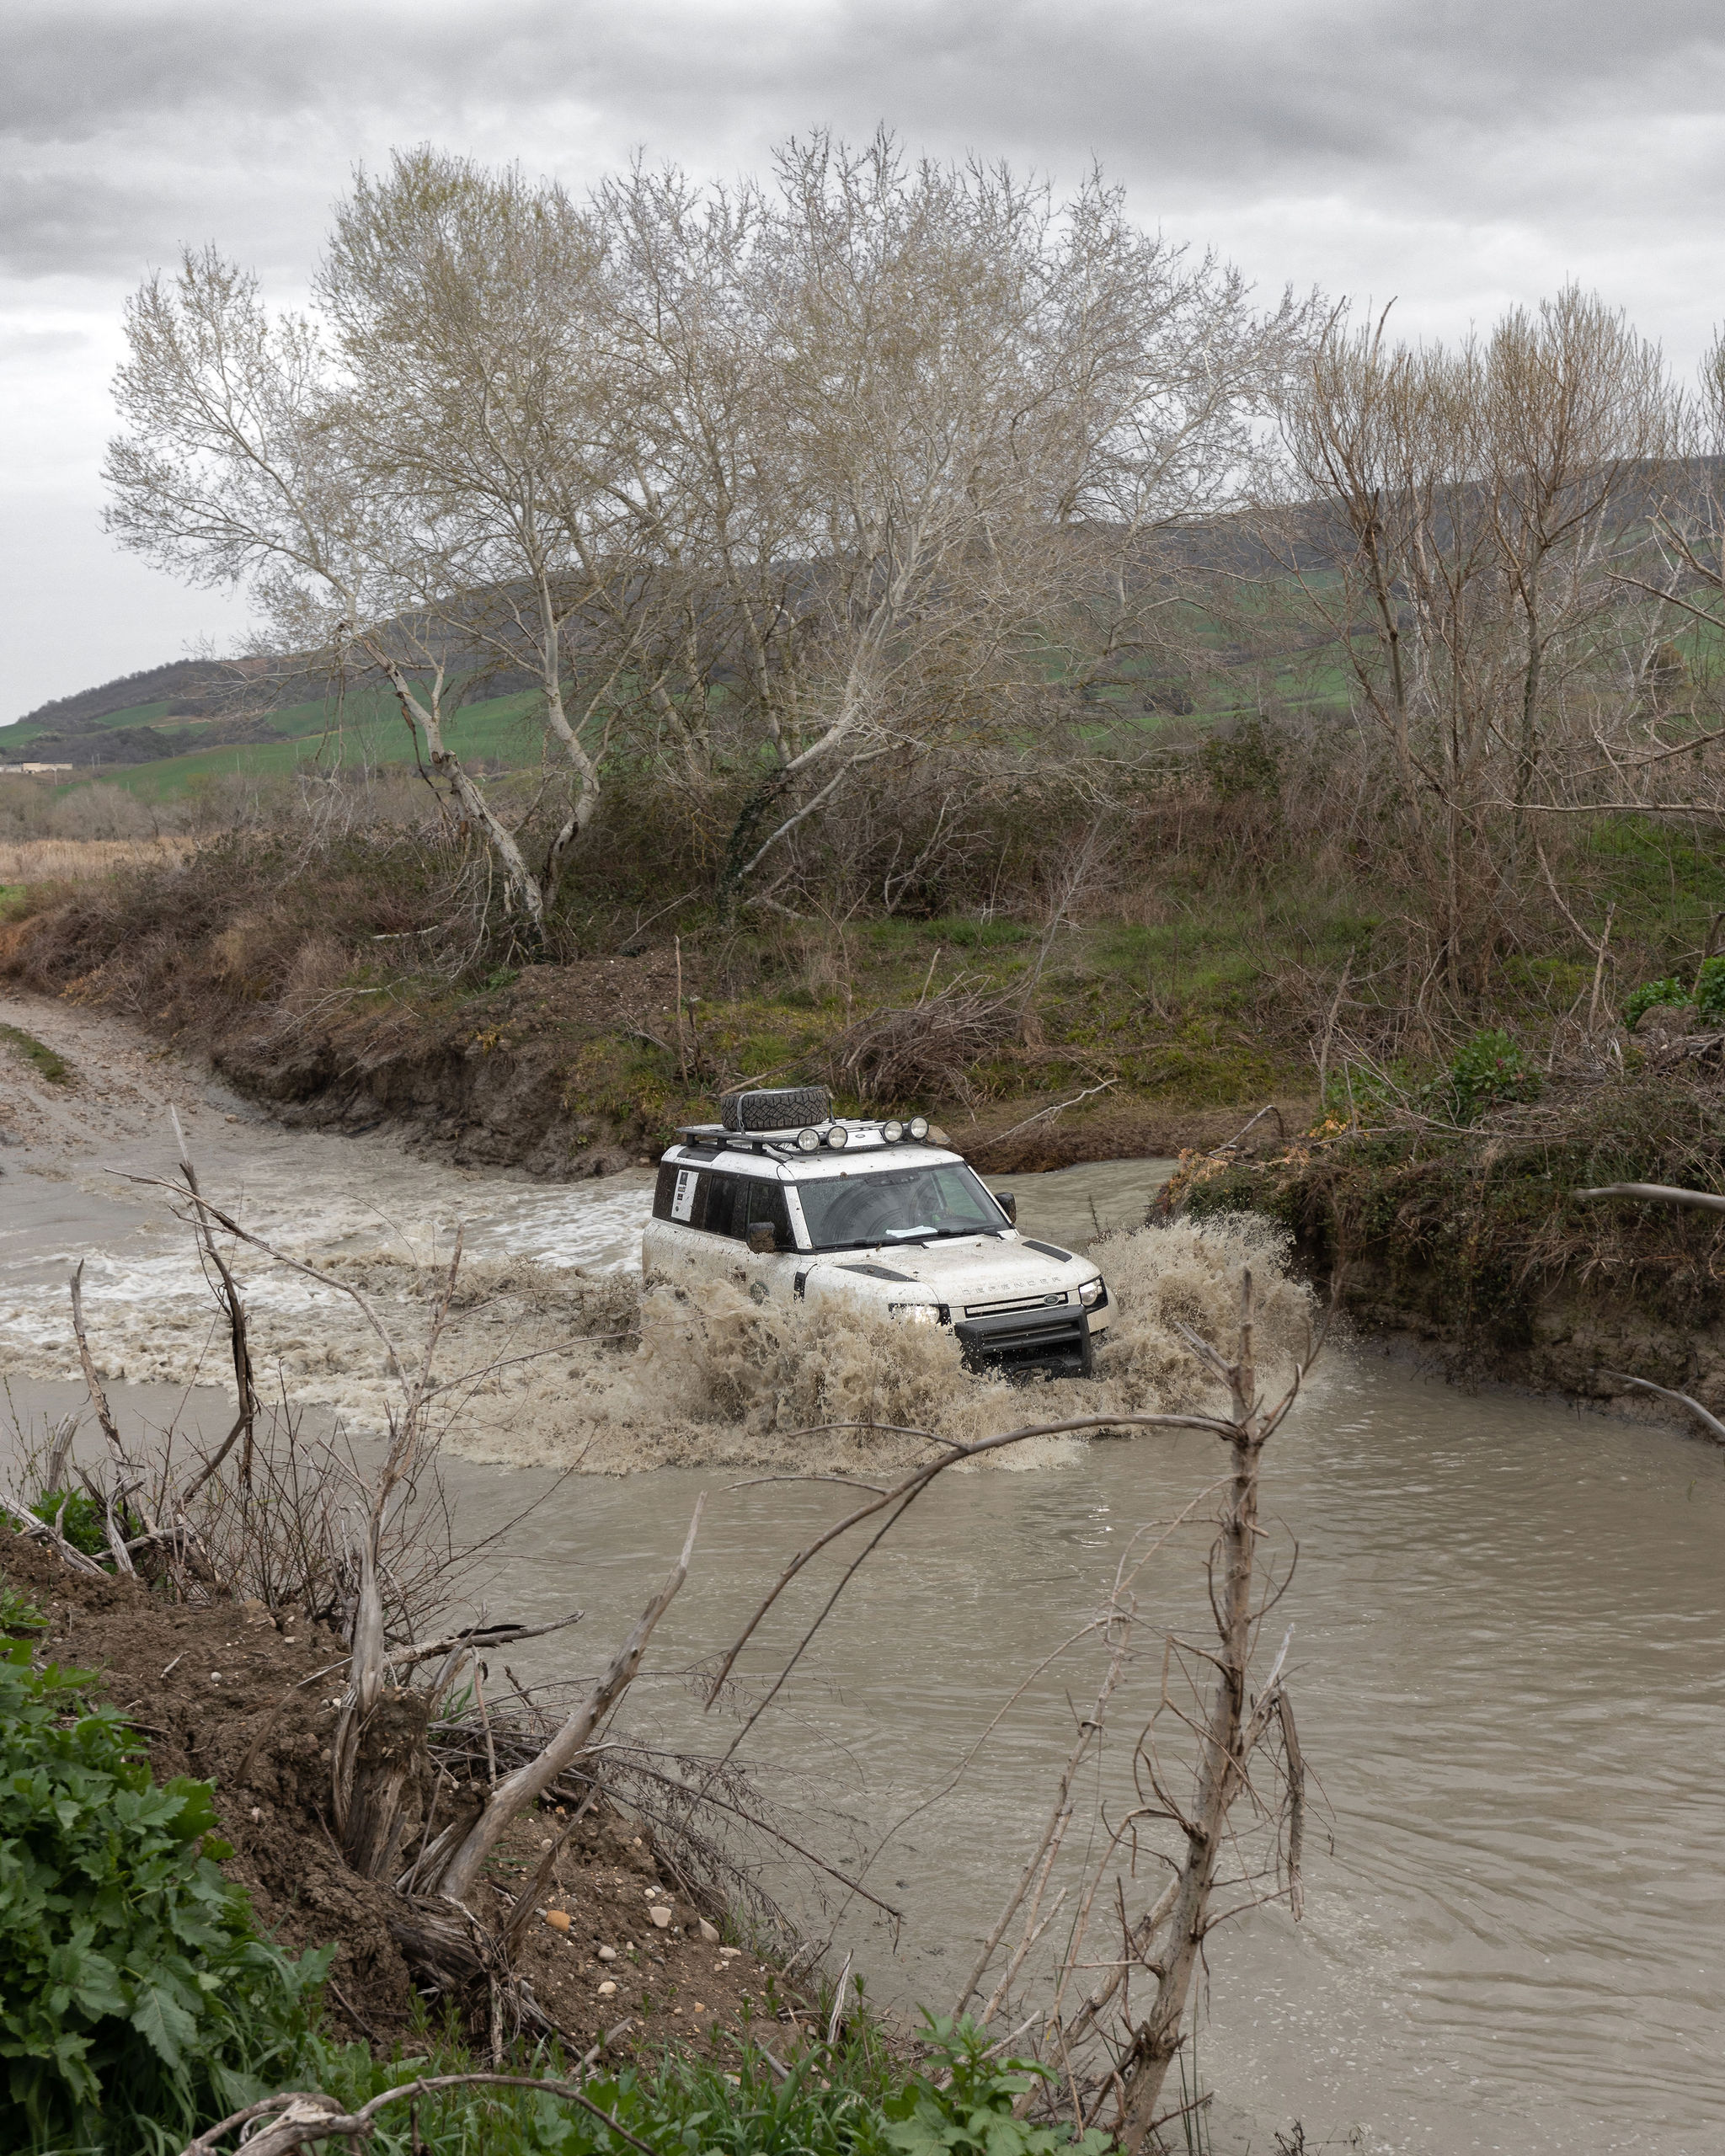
x,y
928,1051
73,861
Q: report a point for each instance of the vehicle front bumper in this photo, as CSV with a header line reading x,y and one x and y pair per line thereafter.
x,y
1055,1342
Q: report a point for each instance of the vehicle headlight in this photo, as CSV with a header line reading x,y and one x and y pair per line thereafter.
x,y
838,1138
892,1132
808,1141
1093,1294
919,1126
916,1313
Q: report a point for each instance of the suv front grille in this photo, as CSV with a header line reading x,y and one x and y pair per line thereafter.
x,y
1020,1303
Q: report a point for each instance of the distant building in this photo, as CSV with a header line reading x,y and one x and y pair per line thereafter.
x,y
35,770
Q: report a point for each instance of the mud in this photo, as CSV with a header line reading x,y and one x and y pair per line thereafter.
x,y
1573,1342
494,1091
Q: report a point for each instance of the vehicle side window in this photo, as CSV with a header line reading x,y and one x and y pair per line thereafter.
x,y
766,1208
722,1204
720,1196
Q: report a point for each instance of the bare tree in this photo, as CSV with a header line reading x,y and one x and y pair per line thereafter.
x,y
492,415
772,480
912,428
1670,758
238,467
1577,420
1456,523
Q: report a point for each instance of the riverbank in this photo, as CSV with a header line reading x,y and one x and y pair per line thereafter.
x,y
316,998
1473,1243
600,1969
245,1697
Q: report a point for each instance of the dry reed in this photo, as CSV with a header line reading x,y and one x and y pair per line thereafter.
x,y
37,861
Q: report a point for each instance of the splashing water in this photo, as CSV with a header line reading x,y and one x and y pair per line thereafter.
x,y
553,1366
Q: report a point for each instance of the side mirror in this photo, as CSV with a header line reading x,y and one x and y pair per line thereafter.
x,y
763,1239
1008,1205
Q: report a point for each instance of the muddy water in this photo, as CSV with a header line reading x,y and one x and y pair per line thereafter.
x,y
1510,1667
1509,1663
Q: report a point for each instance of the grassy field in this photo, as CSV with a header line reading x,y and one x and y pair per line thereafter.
x,y
492,732
370,731
23,731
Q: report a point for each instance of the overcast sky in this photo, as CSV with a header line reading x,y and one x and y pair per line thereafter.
x,y
1457,156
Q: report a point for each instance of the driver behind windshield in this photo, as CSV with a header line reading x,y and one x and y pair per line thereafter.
x,y
857,1212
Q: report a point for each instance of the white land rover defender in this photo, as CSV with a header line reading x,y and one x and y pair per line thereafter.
x,y
786,1201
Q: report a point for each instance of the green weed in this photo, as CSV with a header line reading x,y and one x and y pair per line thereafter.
x,y
1710,990
51,1066
136,2000
852,2099
1491,1068
1650,993
17,1615
84,1523
966,2109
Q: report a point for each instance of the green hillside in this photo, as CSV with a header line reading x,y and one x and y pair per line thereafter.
x,y
370,730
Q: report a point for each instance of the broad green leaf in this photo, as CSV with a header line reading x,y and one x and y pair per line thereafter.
x,y
163,2024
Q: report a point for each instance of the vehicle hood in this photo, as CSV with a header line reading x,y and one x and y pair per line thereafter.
x,y
967,1270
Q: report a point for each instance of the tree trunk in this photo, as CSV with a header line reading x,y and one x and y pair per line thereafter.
x,y
390,1780
1221,1765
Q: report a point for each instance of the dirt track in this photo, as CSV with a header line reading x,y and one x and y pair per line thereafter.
x,y
122,1084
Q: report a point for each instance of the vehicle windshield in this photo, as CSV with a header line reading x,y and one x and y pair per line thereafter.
x,y
909,1205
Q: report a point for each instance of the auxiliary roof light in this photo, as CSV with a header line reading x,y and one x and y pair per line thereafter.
x,y
808,1141
919,1126
892,1132
838,1138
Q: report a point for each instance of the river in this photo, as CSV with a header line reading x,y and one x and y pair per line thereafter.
x,y
1508,1664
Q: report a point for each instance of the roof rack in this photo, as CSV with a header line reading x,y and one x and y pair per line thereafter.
x,y
721,1140
835,1133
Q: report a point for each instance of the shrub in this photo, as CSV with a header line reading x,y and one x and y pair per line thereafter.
x,y
1710,989
1652,992
1491,1068
85,1524
969,2112
135,1993
1245,761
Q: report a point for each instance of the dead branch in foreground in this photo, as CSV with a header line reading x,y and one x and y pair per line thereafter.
x,y
356,1534
297,2118
1711,1423
1106,2048
1659,1194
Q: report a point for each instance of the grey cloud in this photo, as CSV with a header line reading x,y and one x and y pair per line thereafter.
x,y
117,222
131,127
1245,87
1461,152
48,220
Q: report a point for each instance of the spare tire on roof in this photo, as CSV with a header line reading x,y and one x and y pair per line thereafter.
x,y
777,1107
